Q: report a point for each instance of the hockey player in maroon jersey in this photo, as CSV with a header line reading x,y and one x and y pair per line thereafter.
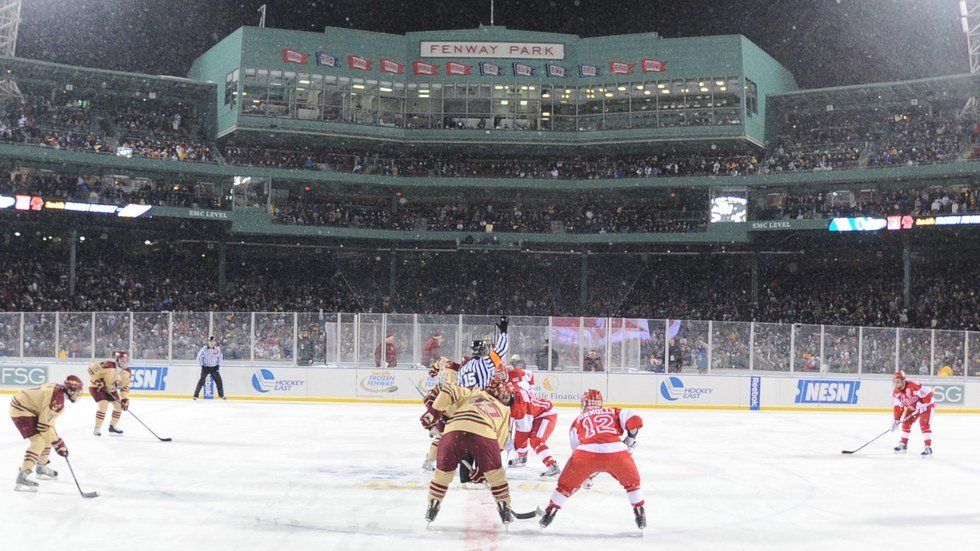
x,y
34,412
915,402
598,447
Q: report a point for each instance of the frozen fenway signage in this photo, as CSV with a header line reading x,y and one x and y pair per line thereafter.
x,y
506,50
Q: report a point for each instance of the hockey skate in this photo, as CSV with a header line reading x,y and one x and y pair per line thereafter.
x,y
927,452
114,430
45,472
901,448
97,432
553,470
432,511
549,515
640,516
517,462
25,484
505,514
429,465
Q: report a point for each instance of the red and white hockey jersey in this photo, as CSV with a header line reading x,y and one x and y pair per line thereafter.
x,y
600,430
526,409
911,397
520,378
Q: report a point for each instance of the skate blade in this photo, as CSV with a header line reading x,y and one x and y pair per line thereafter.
x,y
46,477
29,489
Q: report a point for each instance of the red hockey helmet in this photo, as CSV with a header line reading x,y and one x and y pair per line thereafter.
x,y
73,387
591,399
899,379
502,390
122,358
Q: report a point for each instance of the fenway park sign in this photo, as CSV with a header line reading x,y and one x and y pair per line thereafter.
x,y
506,50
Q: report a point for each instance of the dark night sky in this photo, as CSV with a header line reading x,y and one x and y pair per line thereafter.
x,y
823,42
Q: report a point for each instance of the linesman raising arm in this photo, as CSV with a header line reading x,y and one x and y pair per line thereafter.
x,y
480,369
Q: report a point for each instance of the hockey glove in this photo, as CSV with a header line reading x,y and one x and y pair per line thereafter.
x,y
60,447
429,419
502,324
921,408
99,384
430,397
630,439
125,404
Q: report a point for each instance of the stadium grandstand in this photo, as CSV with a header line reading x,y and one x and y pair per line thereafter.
x,y
443,174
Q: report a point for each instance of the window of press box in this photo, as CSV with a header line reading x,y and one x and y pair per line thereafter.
x,y
231,87
751,97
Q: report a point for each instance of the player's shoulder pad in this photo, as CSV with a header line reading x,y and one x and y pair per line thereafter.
x,y
58,399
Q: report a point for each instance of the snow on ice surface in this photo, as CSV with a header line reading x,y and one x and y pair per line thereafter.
x,y
314,476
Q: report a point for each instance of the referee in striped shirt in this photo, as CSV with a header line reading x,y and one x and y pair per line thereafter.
x,y
209,358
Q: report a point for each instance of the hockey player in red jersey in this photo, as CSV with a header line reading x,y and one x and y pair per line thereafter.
x,y
520,378
598,448
534,421
915,401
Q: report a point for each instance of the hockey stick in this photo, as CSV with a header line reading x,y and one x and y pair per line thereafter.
x,y
149,429
87,495
850,452
520,516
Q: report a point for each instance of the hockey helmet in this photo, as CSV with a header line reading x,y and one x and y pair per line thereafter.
x,y
591,399
121,358
73,387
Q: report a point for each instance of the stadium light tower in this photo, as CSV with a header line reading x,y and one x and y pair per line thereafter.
x,y
9,21
970,20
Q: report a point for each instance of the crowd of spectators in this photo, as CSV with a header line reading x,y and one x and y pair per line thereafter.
x,y
667,213
176,285
162,133
110,190
930,201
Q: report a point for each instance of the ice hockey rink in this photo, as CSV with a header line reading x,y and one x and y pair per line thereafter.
x,y
245,475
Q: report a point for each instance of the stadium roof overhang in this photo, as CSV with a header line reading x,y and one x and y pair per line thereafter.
x,y
959,87
29,71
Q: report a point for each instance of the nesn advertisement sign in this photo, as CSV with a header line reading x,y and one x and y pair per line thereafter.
x,y
820,391
149,378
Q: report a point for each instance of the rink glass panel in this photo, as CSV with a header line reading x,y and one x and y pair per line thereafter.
x,y
595,334
111,333
914,351
428,326
973,357
233,333
730,345
692,338
840,349
949,351
771,347
527,336
75,334
151,336
312,336
878,350
371,334
9,334
403,330
566,338
274,336
190,333
806,351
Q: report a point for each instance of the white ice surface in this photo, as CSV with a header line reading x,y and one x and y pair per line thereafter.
x,y
320,476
